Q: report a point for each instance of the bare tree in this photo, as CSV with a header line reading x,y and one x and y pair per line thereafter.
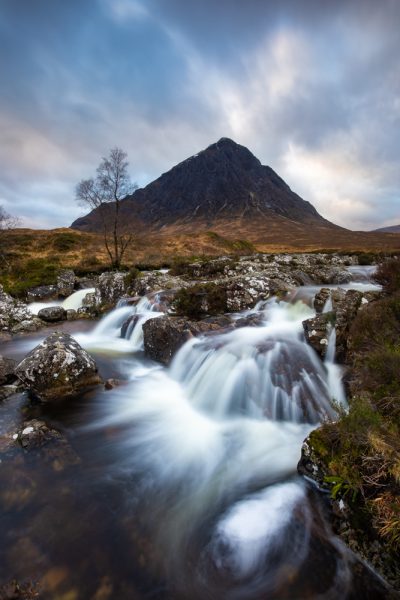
x,y
104,193
7,222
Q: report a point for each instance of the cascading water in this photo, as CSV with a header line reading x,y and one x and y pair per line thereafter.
x,y
74,301
121,330
212,445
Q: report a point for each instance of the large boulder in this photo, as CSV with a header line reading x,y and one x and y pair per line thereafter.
x,y
52,314
66,283
58,367
163,336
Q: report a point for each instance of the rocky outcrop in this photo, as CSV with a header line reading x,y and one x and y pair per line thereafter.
x,y
344,306
15,316
52,314
155,281
58,367
110,288
163,336
66,283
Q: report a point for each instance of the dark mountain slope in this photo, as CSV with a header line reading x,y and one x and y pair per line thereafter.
x,y
223,182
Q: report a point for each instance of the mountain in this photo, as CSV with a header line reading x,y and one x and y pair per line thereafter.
x,y
392,229
224,185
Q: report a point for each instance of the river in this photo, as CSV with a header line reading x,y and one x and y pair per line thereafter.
x,y
186,485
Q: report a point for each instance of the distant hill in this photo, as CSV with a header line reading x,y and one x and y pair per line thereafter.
x,y
392,229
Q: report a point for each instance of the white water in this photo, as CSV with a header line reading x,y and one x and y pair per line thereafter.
x,y
208,450
106,336
213,444
74,301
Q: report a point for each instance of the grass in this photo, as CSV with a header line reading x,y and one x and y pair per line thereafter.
x,y
361,450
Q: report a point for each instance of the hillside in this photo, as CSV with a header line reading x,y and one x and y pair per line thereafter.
x,y
392,229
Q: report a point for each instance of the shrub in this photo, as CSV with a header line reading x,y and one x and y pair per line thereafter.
x,y
201,300
66,241
388,275
366,258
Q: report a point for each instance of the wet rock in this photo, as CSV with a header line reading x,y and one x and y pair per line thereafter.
x,y
83,283
321,298
152,282
15,316
110,288
163,336
311,465
58,367
7,370
129,324
246,292
89,300
317,330
52,314
19,591
71,314
66,283
84,313
42,293
110,384
8,390
252,320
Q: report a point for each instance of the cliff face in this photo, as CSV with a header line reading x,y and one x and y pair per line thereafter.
x,y
224,182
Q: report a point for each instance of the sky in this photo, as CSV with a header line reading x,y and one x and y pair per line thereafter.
x,y
312,88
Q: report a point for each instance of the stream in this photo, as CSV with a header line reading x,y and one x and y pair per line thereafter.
x,y
186,484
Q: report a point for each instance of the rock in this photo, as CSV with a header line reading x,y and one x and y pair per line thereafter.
x,y
8,390
42,292
150,282
84,313
57,368
71,314
66,283
321,298
110,288
19,591
15,316
245,292
311,465
89,300
84,283
7,370
110,384
52,314
316,331
163,336
36,435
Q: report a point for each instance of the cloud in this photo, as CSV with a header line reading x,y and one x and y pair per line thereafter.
x,y
311,88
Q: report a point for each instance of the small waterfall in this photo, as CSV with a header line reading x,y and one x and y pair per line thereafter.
x,y
74,301
334,371
261,372
121,329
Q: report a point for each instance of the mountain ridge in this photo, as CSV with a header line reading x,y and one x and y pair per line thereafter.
x,y
223,182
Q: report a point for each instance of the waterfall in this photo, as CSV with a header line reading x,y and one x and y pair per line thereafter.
x,y
108,335
74,301
260,372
